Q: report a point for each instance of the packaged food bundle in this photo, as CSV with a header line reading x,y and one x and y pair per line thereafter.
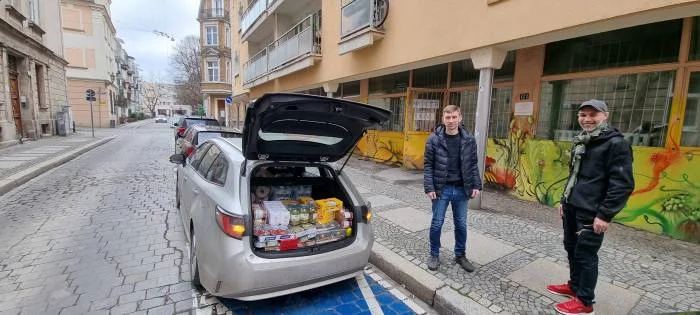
x,y
281,193
259,214
277,213
301,191
344,218
326,209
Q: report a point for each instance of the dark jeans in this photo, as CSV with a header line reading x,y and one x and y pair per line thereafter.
x,y
582,245
456,196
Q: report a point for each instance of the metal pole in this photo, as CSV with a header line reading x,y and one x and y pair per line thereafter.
x,y
483,108
92,121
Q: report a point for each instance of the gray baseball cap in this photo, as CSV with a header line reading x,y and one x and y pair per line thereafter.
x,y
597,104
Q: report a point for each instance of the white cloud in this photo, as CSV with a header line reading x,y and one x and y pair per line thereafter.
x,y
136,20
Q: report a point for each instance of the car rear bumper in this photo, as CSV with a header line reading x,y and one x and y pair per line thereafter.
x,y
245,276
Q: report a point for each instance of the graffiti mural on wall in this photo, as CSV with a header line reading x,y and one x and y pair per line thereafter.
x,y
385,147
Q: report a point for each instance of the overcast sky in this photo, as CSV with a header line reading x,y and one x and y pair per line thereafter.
x,y
136,20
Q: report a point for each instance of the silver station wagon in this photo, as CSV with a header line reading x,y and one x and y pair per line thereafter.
x,y
272,213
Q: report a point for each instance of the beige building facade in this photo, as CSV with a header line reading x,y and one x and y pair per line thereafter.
x,y
32,70
216,63
538,60
93,53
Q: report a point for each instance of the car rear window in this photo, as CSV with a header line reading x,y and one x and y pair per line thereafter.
x,y
206,135
202,122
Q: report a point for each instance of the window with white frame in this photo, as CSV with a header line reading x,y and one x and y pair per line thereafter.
x,y
228,36
212,35
218,7
228,71
34,10
213,70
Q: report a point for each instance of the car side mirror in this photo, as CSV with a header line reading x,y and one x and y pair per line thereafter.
x,y
177,159
175,124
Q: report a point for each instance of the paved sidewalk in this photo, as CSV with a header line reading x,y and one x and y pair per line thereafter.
x,y
517,248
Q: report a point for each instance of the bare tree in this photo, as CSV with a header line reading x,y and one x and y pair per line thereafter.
x,y
150,95
186,71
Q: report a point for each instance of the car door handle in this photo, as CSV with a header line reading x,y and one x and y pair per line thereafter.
x,y
195,191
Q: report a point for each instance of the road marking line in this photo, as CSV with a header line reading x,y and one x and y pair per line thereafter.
x,y
367,293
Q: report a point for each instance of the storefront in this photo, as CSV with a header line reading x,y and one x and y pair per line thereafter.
x,y
649,75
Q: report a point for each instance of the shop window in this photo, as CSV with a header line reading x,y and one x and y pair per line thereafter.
x,y
499,116
463,72
317,91
639,106
640,45
388,84
695,40
431,77
396,106
350,89
691,122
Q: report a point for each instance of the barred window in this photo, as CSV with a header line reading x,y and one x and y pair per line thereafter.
x,y
639,105
396,106
695,40
499,115
388,84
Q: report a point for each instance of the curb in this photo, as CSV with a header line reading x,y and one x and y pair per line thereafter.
x,y
422,284
19,178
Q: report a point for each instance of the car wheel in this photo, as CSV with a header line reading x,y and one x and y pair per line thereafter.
x,y
194,264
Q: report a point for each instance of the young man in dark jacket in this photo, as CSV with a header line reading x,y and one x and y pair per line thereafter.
x,y
450,176
599,184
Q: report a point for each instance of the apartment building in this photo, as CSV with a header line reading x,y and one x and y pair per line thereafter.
x,y
216,42
32,70
95,60
167,103
538,60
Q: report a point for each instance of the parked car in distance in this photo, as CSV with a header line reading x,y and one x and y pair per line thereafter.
x,y
270,213
198,134
161,119
186,121
174,120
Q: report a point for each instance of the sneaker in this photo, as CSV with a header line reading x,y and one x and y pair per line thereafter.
x,y
574,307
464,262
433,262
561,289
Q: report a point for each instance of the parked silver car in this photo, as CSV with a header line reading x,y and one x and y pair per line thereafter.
x,y
233,193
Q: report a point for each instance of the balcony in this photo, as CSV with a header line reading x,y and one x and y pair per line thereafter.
x,y
215,13
361,23
252,13
297,49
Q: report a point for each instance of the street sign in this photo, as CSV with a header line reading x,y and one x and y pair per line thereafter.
x,y
229,100
90,95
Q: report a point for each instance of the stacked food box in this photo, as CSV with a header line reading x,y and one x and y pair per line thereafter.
x,y
289,218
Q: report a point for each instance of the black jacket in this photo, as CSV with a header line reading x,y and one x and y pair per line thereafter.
x,y
435,165
605,179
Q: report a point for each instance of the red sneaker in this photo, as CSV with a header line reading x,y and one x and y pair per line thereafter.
x,y
561,289
574,307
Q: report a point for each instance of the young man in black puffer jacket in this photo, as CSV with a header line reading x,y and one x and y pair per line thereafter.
x,y
450,176
599,185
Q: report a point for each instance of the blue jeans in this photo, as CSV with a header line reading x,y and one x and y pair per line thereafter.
x,y
456,196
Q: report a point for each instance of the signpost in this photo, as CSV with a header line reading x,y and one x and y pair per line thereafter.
x,y
228,101
90,96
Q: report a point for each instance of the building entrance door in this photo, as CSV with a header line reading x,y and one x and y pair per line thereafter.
x,y
14,99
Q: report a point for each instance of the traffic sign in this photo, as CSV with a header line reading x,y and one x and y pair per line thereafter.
x,y
90,95
229,100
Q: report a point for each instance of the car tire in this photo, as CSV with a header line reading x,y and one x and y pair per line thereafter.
x,y
194,263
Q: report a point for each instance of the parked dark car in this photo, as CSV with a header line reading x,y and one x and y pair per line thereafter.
x,y
186,122
197,134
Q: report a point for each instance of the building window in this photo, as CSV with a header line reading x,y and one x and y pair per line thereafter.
x,y
695,40
639,106
350,89
499,115
388,84
691,122
212,35
213,71
228,71
34,10
217,7
228,36
431,77
634,46
396,106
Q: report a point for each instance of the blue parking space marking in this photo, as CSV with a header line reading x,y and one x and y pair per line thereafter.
x,y
344,297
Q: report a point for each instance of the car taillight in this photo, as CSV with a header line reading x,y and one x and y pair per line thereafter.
x,y
189,151
180,130
231,224
367,212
